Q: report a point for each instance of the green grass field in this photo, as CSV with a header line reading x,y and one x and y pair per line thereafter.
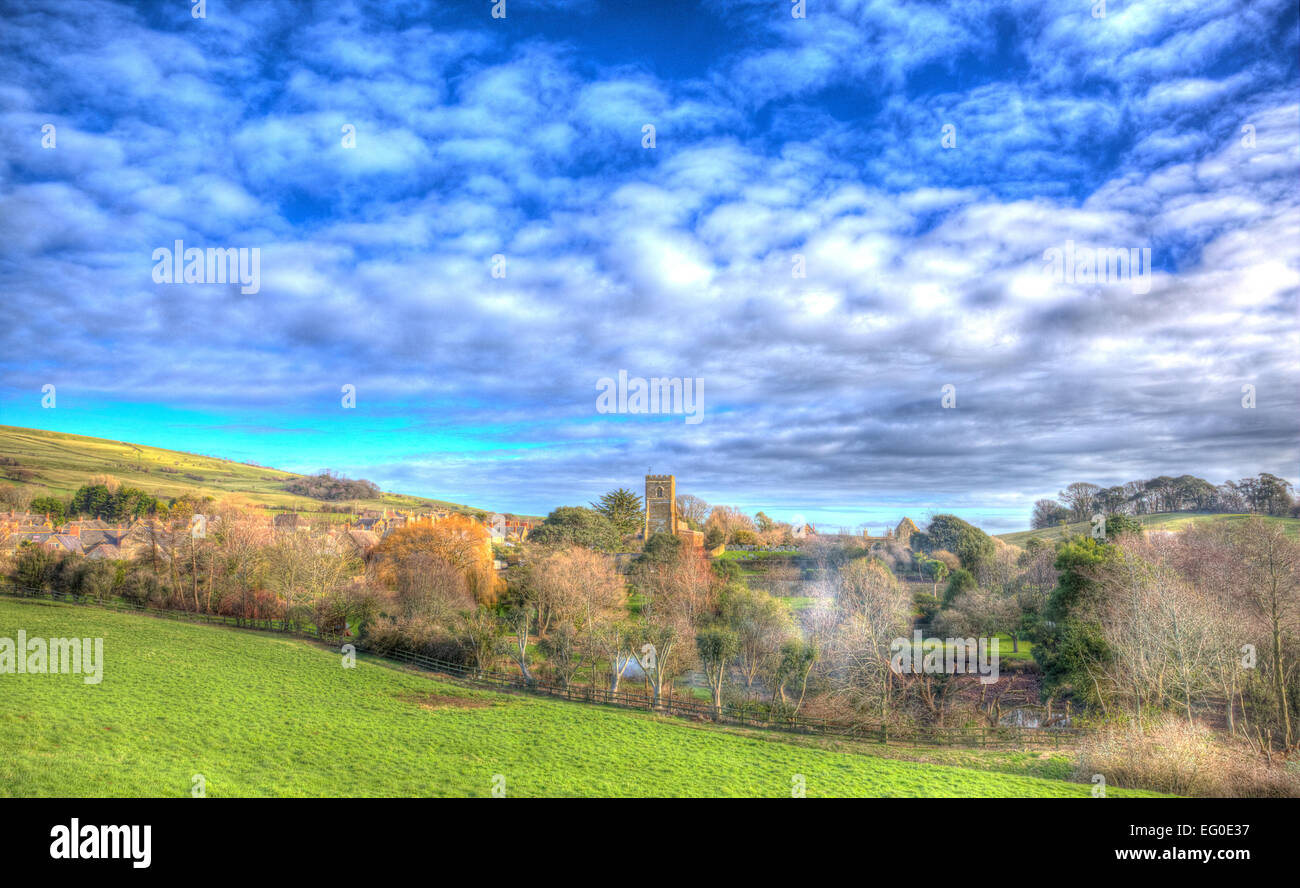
x,y
261,715
60,463
1163,521
759,555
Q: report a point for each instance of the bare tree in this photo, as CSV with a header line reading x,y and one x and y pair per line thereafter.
x,y
792,668
980,613
519,619
575,585
680,593
613,641
717,646
730,520
871,610
481,636
1272,594
1038,576
303,567
692,508
563,653
16,497
1079,499
658,655
1160,631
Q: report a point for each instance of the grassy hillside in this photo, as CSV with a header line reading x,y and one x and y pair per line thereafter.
x,y
61,463
1163,521
259,715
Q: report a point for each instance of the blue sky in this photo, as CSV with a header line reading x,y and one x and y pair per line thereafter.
x,y
775,136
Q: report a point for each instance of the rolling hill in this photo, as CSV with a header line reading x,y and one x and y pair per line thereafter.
x,y
59,463
1161,521
263,715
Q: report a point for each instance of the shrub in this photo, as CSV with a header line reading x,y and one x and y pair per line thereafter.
x,y
142,588
331,486
1121,524
1172,757
34,567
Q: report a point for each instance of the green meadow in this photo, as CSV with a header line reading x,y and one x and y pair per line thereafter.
x,y
263,715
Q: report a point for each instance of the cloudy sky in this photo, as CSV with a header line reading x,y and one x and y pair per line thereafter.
x,y
920,158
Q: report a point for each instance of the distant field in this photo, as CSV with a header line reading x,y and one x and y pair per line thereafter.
x,y
759,555
61,463
261,715
1162,521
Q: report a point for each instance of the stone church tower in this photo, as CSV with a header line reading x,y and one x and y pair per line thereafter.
x,y
660,504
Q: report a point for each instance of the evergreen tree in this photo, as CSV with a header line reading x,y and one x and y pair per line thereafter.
x,y
623,509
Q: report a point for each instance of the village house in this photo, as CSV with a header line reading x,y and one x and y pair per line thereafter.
x,y
383,523
508,528
356,541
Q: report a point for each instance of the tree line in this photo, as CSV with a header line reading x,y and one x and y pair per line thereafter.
x,y
1264,494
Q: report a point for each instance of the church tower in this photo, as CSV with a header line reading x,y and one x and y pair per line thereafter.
x,y
660,504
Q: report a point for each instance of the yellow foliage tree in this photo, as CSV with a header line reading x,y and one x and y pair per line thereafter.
x,y
458,541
